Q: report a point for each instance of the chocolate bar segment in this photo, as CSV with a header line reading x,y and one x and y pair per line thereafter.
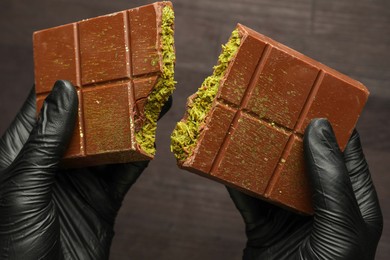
x,y
104,113
209,145
248,57
240,164
292,187
143,38
281,88
340,99
104,48
116,62
269,93
55,57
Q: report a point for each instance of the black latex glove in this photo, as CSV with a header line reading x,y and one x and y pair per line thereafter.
x,y
347,221
48,213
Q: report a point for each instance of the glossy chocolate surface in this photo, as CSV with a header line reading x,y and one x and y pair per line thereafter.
x,y
252,139
114,61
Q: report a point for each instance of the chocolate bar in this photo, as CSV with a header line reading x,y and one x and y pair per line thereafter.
x,y
244,126
122,65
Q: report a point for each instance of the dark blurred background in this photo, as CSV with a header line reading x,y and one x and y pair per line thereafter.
x,y
173,214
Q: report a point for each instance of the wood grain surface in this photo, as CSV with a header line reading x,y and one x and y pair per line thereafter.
x,y
173,214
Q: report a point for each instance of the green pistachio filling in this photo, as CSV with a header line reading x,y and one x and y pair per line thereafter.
x,y
164,87
186,133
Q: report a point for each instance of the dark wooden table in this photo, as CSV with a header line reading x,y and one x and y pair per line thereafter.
x,y
172,214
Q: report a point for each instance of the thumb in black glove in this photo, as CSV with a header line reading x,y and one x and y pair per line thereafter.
x,y
347,221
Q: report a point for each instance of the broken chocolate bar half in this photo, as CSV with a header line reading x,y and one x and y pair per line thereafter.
x,y
122,65
244,126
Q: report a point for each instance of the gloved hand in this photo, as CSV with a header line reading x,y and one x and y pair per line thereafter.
x,y
48,213
347,221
